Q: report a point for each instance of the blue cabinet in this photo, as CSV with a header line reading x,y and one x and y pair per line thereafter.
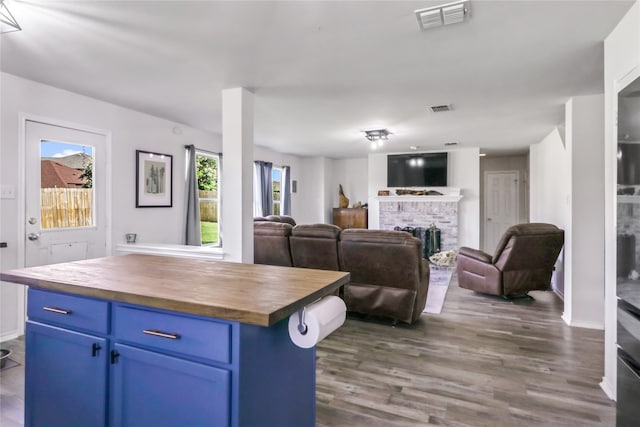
x,y
92,362
66,377
153,389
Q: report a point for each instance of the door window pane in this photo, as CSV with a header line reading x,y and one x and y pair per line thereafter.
x,y
66,185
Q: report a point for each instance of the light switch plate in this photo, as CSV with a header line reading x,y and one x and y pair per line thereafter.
x,y
7,191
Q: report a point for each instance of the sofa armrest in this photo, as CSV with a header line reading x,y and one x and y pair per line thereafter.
x,y
474,254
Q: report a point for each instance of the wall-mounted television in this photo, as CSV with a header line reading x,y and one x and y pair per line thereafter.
x,y
417,170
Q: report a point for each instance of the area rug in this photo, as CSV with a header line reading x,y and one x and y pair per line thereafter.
x,y
438,284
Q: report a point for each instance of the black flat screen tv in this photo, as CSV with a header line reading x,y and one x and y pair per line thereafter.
x,y
417,170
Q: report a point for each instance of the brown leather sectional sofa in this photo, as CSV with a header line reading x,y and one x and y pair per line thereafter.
x,y
389,277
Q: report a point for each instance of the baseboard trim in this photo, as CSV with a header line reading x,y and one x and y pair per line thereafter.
x,y
558,293
10,336
608,388
587,325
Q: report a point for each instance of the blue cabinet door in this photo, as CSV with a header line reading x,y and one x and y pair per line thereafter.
x,y
65,378
153,389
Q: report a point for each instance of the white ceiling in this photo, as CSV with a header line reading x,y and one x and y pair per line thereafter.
x,y
324,71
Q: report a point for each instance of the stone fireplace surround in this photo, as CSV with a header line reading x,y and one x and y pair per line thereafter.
x,y
422,211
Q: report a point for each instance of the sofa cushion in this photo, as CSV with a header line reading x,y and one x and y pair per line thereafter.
x,y
271,243
326,231
315,246
281,218
378,236
268,228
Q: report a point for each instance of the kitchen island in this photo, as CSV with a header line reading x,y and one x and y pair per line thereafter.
x,y
140,340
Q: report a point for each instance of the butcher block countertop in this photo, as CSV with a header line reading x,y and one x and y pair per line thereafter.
x,y
247,293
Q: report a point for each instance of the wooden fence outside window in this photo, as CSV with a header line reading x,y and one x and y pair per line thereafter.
x,y
66,207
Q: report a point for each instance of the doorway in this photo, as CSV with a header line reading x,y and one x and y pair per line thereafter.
x,y
501,201
65,194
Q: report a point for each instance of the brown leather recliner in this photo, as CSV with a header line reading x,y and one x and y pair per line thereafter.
x,y
389,277
523,261
271,243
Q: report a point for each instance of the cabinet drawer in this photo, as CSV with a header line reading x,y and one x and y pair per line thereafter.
x,y
68,310
202,338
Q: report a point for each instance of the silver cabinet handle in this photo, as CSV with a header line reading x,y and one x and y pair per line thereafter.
x,y
161,334
56,310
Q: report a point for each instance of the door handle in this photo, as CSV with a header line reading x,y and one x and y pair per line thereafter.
x,y
33,236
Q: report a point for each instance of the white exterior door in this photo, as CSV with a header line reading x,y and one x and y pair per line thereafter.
x,y
65,194
500,206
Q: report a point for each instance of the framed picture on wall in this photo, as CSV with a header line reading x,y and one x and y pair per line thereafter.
x,y
154,180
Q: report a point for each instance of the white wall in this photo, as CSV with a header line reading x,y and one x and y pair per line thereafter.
x,y
621,66
549,181
463,172
549,190
314,190
353,175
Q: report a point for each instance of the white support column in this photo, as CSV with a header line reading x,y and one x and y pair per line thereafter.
x,y
237,174
584,235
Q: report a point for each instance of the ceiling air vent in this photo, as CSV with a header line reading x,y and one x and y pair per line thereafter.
x,y
450,144
445,14
440,108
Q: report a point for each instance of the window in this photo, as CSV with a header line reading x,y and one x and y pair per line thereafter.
x,y
276,177
66,181
207,166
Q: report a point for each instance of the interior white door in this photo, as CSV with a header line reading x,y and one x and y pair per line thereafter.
x,y
65,194
500,205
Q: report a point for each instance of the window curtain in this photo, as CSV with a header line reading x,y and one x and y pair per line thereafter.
x,y
262,188
285,195
192,232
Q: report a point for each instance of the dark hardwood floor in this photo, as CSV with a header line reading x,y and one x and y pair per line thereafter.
x,y
482,362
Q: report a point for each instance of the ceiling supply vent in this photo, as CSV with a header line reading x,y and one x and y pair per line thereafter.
x,y
440,108
450,144
450,13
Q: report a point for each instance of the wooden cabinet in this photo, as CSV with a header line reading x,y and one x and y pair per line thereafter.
x,y
350,217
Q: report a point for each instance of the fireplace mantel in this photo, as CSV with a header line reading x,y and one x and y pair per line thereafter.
x,y
409,198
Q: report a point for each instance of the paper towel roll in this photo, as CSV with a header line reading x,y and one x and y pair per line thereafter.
x,y
321,317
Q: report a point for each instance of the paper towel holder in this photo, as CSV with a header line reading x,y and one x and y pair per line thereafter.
x,y
302,327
